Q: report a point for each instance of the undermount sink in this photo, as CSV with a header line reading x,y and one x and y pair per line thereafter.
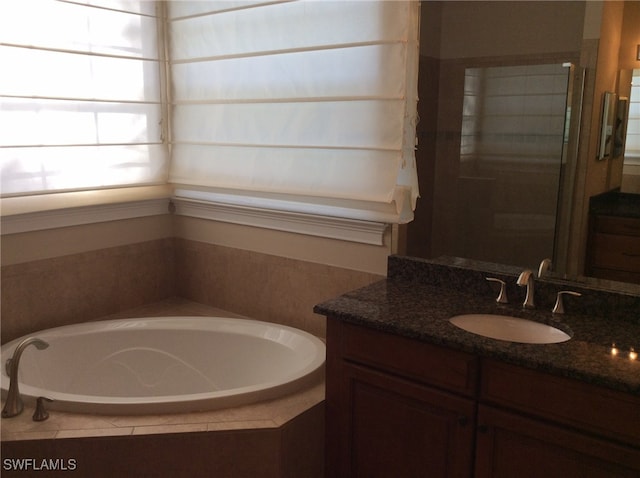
x,y
512,329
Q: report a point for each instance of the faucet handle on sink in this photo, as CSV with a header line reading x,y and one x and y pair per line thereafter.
x,y
559,307
502,296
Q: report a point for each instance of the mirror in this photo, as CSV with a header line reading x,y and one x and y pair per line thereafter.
x,y
460,165
605,148
620,127
630,84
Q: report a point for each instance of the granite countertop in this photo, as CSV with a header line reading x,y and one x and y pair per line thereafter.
x,y
615,203
418,310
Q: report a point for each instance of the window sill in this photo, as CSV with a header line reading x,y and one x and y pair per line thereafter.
x,y
50,211
632,159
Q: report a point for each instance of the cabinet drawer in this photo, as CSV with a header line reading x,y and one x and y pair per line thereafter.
x,y
605,412
616,252
437,366
629,226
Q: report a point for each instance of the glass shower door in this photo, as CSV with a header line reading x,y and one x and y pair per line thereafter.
x,y
505,198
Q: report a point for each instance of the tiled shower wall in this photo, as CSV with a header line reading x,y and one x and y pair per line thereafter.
x,y
79,287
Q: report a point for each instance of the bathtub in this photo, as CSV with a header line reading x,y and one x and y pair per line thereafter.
x,y
165,365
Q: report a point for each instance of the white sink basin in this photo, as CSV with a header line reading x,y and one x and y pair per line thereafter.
x,y
512,329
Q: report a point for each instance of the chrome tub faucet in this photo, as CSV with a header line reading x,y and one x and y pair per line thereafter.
x,y
13,405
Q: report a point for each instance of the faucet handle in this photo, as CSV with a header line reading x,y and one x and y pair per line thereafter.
x,y
558,308
41,414
502,296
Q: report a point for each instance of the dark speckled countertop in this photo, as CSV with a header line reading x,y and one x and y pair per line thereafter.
x,y
418,298
615,203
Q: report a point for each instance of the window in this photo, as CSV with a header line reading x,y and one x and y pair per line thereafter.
x,y
632,144
310,103
304,98
81,96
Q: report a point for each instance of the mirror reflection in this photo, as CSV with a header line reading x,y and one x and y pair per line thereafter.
x,y
606,143
631,145
510,120
502,205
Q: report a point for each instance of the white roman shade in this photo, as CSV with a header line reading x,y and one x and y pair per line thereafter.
x,y
309,99
80,95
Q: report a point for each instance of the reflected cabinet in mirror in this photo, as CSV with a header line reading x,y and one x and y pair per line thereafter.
x,y
517,134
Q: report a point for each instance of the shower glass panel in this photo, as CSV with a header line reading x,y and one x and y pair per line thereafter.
x,y
505,202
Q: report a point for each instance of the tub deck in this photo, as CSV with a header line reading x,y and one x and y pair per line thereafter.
x,y
280,438
266,414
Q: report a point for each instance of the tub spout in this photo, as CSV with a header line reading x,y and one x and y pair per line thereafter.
x,y
13,406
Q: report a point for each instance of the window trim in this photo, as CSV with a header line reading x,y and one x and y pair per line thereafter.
x,y
52,211
325,223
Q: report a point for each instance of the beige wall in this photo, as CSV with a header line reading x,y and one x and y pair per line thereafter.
x,y
630,38
60,276
332,252
472,29
49,243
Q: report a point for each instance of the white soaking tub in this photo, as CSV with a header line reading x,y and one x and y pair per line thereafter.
x,y
165,365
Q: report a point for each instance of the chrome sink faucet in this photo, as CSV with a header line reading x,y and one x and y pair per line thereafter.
x,y
545,266
526,279
13,405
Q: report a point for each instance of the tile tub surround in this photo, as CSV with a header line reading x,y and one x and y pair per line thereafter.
x,y
419,297
75,288
261,286
266,436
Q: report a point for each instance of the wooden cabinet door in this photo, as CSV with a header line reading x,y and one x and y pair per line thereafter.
x,y
510,445
613,248
393,427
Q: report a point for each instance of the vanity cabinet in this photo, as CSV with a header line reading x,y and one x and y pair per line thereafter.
x,y
513,445
400,407
532,424
613,250
388,411
398,428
